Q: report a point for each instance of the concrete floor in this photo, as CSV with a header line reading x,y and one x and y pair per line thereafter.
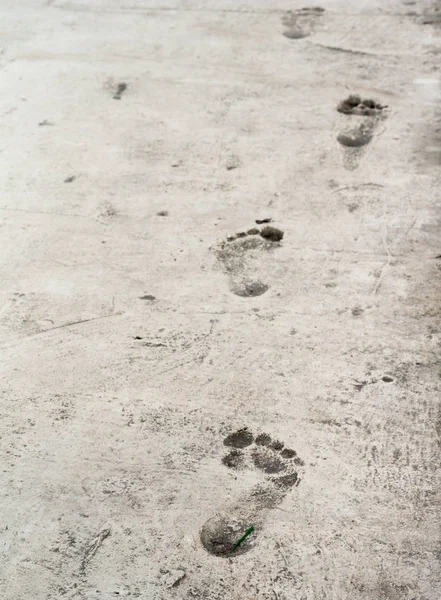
x,y
146,348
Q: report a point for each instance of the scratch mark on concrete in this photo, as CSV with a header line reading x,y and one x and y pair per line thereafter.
x,y
345,50
92,549
56,214
355,187
383,271
77,323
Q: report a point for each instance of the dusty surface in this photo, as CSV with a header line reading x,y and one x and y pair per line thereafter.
x,y
170,380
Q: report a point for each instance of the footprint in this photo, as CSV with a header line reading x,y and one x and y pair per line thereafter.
x,y
238,254
354,139
120,89
301,23
279,467
116,89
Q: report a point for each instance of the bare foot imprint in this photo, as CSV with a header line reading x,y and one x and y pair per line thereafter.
x,y
355,138
301,23
238,254
279,467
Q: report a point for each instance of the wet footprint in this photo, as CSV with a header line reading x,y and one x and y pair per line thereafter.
x,y
238,254
116,89
301,23
235,530
120,89
356,137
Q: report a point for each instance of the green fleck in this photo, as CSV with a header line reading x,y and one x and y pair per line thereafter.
x,y
244,537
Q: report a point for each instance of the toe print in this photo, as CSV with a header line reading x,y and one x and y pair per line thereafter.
x,y
287,453
235,530
239,439
355,105
263,439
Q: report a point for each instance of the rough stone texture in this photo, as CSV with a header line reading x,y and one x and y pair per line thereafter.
x,y
114,408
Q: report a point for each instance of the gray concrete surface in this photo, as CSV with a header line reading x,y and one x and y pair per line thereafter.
x,y
135,345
